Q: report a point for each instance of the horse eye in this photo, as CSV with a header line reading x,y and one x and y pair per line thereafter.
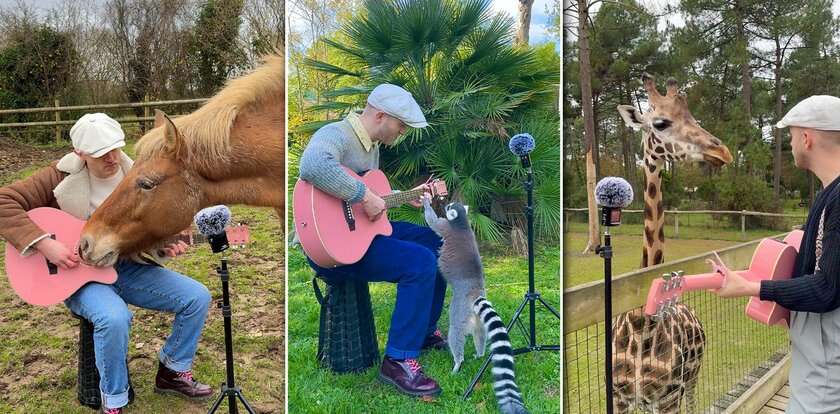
x,y
661,124
145,184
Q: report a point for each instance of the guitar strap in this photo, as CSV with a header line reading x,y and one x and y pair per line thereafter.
x,y
819,246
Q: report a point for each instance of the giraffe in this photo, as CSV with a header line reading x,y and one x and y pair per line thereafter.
x,y
656,361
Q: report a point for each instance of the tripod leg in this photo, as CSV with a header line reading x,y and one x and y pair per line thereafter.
x,y
516,314
245,403
550,309
522,329
478,376
217,403
232,408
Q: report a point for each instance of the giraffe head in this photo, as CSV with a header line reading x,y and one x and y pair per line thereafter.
x,y
673,133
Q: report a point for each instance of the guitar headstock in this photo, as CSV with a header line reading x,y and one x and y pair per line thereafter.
x,y
238,235
437,188
664,294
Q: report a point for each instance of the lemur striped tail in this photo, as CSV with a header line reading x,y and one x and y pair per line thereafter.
x,y
507,393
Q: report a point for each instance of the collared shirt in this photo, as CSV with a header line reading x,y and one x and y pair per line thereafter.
x,y
356,122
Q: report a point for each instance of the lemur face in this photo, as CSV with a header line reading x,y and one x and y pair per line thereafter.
x,y
456,213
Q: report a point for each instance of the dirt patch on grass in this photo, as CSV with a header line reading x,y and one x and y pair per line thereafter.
x,y
16,156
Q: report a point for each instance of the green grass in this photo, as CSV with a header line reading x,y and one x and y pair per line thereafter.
x,y
38,349
316,390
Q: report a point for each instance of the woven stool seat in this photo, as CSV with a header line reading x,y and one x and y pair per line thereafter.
x,y
347,334
88,376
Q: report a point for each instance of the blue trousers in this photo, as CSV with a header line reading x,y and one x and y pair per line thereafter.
x,y
408,257
149,287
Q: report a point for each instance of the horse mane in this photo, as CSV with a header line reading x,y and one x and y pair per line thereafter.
x,y
206,131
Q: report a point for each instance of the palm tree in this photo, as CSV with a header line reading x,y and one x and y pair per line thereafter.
x,y
476,88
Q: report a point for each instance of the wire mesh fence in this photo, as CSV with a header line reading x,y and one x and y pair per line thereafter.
x,y
655,360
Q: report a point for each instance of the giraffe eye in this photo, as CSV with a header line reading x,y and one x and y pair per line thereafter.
x,y
661,124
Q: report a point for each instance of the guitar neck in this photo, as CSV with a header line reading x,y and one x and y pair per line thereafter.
x,y
703,281
190,239
403,197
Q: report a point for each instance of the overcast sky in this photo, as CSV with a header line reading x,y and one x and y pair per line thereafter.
x,y
540,20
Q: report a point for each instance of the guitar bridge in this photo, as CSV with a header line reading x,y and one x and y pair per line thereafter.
x,y
348,216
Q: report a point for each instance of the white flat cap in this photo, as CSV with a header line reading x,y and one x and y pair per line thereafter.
x,y
96,134
399,103
816,112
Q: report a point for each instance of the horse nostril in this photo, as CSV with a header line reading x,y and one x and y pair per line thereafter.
x,y
108,258
84,247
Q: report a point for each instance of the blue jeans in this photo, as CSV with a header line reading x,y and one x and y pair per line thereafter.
x,y
149,287
408,257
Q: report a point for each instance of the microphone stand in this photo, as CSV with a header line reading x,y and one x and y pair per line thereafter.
x,y
605,251
530,298
229,388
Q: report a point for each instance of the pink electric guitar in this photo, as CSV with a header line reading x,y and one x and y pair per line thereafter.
x,y
39,282
335,233
772,260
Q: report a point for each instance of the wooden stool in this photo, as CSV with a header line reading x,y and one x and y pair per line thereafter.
x,y
347,333
88,376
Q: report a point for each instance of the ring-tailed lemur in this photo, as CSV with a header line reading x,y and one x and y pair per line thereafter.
x,y
469,311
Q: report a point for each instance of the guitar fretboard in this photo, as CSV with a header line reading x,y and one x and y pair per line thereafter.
x,y
398,199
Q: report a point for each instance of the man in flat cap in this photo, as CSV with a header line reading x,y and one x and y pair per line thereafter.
x,y
78,184
408,257
813,294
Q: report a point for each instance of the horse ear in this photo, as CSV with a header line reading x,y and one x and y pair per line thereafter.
x,y
173,138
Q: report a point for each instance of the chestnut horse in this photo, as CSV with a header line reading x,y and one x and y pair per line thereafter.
x,y
229,151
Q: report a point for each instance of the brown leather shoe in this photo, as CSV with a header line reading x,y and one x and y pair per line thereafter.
x,y
168,381
407,375
435,341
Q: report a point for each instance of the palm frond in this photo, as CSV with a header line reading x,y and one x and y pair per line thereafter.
x,y
348,91
329,68
329,106
311,127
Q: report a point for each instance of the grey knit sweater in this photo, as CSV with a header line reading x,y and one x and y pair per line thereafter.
x,y
332,146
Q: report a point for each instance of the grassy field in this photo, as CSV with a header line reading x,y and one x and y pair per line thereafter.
x,y
316,390
38,349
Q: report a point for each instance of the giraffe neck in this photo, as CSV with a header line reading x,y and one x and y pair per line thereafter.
x,y
654,234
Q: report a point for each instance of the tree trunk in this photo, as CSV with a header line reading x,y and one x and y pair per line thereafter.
x,y
588,122
626,151
524,21
596,145
746,78
777,162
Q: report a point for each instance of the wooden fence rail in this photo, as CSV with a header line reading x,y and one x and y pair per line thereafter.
x,y
57,109
676,214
